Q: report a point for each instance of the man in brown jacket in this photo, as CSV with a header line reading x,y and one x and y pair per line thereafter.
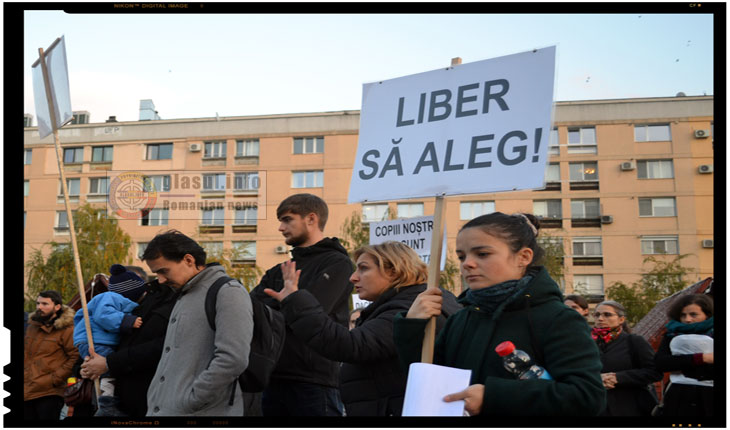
x,y
49,356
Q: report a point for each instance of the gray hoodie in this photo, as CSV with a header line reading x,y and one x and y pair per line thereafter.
x,y
199,367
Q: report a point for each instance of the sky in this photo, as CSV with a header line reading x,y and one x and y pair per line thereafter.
x,y
200,65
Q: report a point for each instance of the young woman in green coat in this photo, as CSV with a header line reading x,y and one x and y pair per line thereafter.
x,y
509,298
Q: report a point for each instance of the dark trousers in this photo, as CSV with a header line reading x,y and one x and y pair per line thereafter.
x,y
299,399
43,408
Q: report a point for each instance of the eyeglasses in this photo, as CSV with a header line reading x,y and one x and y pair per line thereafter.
x,y
605,314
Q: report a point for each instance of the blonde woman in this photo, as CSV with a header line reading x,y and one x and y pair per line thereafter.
x,y
390,275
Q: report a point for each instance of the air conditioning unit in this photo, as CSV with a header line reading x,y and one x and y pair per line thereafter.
x,y
701,134
606,219
706,168
628,165
194,147
281,249
708,243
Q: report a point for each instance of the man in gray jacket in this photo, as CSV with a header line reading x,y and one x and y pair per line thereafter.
x,y
198,372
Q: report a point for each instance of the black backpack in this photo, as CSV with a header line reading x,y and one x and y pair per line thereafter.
x,y
269,331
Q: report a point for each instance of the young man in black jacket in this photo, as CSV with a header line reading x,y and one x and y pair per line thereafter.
x,y
305,383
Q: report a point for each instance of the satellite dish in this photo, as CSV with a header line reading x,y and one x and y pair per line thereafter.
x,y
681,94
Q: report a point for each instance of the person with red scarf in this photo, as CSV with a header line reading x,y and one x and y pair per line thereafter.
x,y
628,363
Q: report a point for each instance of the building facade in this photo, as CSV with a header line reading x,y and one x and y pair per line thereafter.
x,y
627,179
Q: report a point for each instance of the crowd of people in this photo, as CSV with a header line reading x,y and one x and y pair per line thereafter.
x,y
156,354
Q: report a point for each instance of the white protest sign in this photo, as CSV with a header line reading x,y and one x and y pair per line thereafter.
x,y
60,93
475,128
414,232
358,303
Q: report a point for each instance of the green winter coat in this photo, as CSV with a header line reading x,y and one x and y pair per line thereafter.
x,y
537,319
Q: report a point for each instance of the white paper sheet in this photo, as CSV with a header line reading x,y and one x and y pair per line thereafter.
x,y
426,387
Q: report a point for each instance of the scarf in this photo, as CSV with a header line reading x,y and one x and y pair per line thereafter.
x,y
490,298
605,334
707,327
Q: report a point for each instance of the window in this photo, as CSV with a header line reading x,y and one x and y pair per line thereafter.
x,y
159,151
157,183
26,188
652,133
655,169
585,171
247,148
587,247
584,208
552,173
99,185
141,247
247,181
377,212
471,210
590,286
215,149
27,120
244,251
548,208
28,156
62,220
101,154
212,248
554,144
308,145
582,140
308,179
73,185
73,155
659,245
658,206
246,216
409,210
214,182
155,217
213,216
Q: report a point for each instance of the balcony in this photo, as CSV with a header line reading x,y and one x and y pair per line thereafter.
x,y
585,222
551,223
551,186
244,228
584,185
211,229
587,261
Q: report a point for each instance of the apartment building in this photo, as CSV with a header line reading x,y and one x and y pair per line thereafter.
x,y
627,178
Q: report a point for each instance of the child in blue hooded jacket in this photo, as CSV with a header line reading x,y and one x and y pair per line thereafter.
x,y
109,315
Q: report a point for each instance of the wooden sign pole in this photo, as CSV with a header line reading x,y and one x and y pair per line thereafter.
x,y
434,266
69,216
434,274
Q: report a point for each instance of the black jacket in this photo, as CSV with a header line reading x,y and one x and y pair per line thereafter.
x,y
632,376
135,360
372,382
326,270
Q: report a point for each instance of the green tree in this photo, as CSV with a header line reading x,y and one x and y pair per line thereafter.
x,y
101,243
662,280
554,257
232,261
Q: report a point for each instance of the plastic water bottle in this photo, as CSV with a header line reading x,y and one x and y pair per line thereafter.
x,y
66,410
520,363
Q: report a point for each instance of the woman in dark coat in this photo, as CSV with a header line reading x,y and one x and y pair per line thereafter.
x,y
134,362
390,275
510,298
628,363
687,350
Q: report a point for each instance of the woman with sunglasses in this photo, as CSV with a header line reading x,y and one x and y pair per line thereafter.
x,y
628,363
687,351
